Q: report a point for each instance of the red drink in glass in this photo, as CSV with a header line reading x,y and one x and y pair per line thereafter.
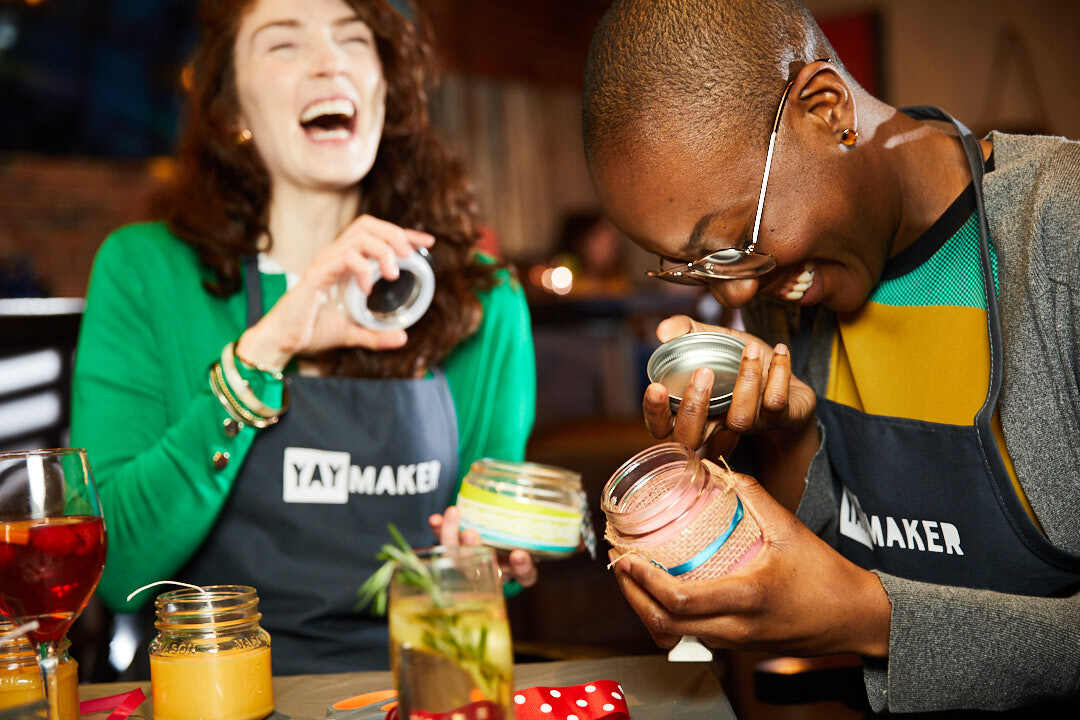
x,y
48,570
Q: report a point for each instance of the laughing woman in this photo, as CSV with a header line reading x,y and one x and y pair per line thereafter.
x,y
307,153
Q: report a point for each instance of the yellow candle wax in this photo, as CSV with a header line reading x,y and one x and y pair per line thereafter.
x,y
21,685
229,685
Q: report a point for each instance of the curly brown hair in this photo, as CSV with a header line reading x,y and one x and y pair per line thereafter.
x,y
219,202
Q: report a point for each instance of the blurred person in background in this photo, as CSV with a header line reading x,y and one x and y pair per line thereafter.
x,y
596,248
919,470
307,151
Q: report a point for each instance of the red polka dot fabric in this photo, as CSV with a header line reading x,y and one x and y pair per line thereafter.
x,y
599,700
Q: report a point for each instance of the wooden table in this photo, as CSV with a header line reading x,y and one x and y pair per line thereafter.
x,y
655,688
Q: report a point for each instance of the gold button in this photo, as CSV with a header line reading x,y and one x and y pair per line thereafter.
x,y
231,427
220,460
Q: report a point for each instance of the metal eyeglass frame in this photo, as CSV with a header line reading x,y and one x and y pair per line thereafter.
x,y
731,263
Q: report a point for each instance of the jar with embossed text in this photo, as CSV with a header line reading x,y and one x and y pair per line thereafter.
x,y
210,658
20,677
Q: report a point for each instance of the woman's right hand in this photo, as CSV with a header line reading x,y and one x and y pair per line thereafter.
x,y
767,396
311,317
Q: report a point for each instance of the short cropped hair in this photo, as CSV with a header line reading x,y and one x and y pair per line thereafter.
x,y
698,70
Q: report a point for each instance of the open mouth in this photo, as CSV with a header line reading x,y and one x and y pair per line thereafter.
x,y
794,289
331,119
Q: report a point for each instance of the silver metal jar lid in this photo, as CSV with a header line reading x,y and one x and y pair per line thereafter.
x,y
394,304
675,361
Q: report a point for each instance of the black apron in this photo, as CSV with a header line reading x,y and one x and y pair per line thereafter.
x,y
309,508
934,502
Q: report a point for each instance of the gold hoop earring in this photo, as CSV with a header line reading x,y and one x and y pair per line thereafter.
x,y
243,136
848,137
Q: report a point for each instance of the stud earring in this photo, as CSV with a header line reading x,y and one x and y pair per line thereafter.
x,y
244,136
848,137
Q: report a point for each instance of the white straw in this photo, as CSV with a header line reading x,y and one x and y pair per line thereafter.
x,y
19,631
166,582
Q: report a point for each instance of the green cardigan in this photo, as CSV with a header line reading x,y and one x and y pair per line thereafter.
x,y
143,409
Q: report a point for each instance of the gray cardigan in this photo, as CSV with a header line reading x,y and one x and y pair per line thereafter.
x,y
952,647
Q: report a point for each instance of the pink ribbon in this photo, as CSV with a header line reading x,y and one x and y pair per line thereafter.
x,y
121,705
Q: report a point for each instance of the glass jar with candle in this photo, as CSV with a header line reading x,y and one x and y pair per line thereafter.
x,y
210,659
20,676
539,508
668,506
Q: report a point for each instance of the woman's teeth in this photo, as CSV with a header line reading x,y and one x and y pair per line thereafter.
x,y
335,106
328,119
336,134
802,284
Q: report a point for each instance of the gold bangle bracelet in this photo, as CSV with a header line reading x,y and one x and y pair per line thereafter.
x,y
240,386
249,417
222,399
277,376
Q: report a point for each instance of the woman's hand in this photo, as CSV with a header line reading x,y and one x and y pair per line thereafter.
x,y
310,317
766,397
518,566
798,595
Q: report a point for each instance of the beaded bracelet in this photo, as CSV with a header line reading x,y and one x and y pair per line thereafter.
x,y
276,374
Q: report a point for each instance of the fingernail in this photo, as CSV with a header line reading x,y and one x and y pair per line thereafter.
x,y
781,349
753,351
703,379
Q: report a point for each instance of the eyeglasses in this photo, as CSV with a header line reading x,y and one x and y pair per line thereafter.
x,y
729,263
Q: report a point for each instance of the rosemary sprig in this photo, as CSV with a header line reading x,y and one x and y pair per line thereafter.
x,y
400,557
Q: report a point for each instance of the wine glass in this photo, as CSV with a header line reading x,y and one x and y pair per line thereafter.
x,y
449,637
52,547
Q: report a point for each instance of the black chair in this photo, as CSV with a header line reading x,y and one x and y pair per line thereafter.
x,y
37,351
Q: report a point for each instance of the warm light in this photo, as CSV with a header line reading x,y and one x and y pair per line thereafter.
x,y
33,2
545,278
562,280
187,78
162,168
536,275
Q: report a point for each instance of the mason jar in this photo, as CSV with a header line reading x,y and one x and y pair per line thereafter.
x,y
210,658
669,507
20,677
539,508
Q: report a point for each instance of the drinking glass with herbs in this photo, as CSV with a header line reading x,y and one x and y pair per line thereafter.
x,y
449,636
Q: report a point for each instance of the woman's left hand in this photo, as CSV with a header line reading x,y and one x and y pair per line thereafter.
x,y
798,595
519,566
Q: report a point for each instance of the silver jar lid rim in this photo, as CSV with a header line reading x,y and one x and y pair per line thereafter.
x,y
673,363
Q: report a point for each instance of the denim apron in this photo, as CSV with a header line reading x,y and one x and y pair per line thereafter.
x,y
934,502
309,508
